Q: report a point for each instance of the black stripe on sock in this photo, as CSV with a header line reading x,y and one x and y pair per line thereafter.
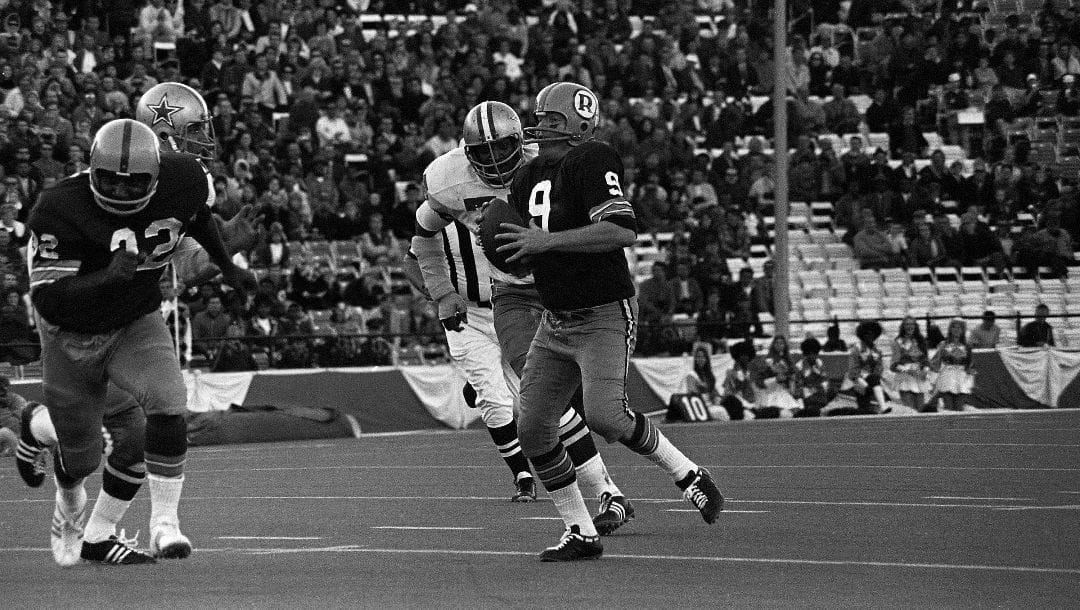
x,y
554,469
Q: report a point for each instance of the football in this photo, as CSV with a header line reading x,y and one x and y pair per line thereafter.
x,y
495,213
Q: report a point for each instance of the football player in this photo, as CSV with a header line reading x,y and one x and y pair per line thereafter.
x,y
99,242
492,315
186,127
579,222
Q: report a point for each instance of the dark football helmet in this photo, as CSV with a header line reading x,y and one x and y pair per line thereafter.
x,y
576,103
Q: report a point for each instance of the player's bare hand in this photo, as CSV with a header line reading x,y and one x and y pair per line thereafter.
x,y
527,241
8,441
241,232
239,279
123,266
453,312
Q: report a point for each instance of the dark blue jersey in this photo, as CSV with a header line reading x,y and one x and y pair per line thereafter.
x,y
72,236
576,190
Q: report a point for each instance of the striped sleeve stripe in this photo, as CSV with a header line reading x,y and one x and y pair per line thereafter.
x,y
617,207
49,275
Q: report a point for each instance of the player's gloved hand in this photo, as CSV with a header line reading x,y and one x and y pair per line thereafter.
x,y
123,266
239,279
453,312
241,232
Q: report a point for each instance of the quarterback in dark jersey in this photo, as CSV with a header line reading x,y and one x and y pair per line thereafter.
x,y
579,223
99,243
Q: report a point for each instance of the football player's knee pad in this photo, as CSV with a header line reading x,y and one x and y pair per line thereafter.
x,y
495,416
166,434
78,462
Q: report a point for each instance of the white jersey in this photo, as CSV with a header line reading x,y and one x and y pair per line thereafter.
x,y
454,191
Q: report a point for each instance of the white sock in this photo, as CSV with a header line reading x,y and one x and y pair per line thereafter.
x,y
594,480
164,499
572,509
41,426
668,457
71,501
108,511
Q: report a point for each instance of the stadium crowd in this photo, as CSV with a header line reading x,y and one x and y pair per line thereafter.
x,y
326,114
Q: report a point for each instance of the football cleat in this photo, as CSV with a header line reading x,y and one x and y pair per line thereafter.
x,y
699,490
166,542
574,547
615,511
116,550
526,490
30,455
67,530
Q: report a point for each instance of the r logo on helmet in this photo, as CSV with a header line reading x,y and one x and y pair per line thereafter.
x,y
585,104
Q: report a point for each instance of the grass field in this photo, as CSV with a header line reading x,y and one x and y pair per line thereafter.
x,y
971,510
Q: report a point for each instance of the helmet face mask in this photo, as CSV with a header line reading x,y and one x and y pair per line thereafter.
x,y
180,118
493,143
124,166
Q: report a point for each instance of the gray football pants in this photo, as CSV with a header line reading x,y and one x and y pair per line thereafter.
x,y
590,347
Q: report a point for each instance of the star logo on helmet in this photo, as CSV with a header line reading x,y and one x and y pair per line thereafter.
x,y
163,112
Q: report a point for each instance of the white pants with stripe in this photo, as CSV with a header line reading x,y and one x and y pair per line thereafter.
x,y
475,350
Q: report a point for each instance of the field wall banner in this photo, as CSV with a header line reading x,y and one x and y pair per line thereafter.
x,y
389,399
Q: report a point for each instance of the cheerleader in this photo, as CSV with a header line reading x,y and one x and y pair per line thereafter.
x,y
809,382
953,359
701,380
773,378
865,368
910,363
739,393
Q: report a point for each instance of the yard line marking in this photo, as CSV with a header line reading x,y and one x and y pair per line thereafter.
x,y
541,518
1069,492
725,511
1060,507
269,538
423,528
682,558
854,503
977,498
196,471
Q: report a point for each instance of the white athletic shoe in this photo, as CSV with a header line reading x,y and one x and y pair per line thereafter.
x,y
67,531
166,542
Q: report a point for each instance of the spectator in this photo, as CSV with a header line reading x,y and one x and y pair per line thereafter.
x,y
379,241
987,334
1037,333
235,353
209,326
657,301
263,325
926,250
689,298
978,246
1050,247
833,342
872,248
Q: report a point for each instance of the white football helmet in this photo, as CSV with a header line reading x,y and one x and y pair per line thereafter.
x,y
124,166
180,117
493,139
